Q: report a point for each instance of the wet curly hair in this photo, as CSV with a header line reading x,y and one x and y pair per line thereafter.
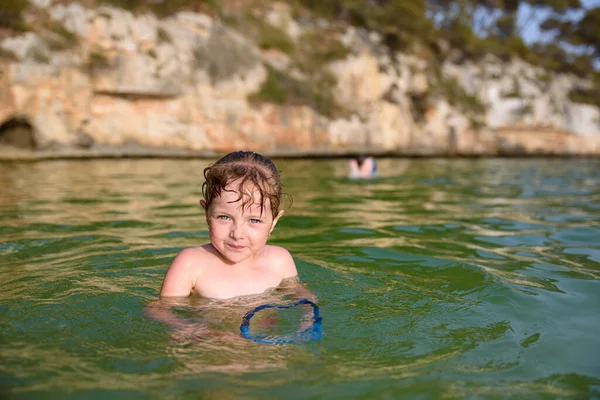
x,y
249,170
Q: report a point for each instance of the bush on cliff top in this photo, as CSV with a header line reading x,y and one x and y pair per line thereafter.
x,y
11,15
165,8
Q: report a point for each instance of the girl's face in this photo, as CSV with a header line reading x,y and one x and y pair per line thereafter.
x,y
238,233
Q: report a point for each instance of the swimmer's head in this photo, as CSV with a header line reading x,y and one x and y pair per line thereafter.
x,y
360,159
253,177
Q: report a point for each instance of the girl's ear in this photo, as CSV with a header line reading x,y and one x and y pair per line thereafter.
x,y
203,204
279,215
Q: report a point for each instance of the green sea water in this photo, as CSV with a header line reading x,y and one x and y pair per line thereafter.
x,y
441,279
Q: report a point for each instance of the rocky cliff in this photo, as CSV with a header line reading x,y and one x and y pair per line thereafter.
x,y
103,81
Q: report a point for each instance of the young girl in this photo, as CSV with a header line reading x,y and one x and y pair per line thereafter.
x,y
241,197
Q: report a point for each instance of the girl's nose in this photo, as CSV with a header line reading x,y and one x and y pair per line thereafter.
x,y
237,231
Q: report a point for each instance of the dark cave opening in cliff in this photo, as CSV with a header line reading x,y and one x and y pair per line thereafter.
x,y
17,132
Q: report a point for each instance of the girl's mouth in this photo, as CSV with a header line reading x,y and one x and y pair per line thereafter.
x,y
235,247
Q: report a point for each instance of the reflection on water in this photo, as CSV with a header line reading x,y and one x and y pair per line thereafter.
x,y
439,279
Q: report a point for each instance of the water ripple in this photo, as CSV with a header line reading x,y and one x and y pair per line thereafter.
x,y
440,279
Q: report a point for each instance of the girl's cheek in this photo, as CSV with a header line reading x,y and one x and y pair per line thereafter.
x,y
258,227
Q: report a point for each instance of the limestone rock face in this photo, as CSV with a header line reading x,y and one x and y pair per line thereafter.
x,y
517,94
185,82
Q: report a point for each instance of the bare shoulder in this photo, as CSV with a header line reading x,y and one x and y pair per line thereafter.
x,y
279,253
194,258
282,260
183,271
188,256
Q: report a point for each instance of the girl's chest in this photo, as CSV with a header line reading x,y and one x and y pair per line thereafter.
x,y
223,283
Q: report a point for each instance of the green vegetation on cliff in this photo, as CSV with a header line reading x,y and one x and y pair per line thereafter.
x,y
280,88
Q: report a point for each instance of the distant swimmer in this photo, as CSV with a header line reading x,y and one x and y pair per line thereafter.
x,y
363,167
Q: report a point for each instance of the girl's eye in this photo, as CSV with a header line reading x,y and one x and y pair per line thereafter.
x,y
223,217
255,221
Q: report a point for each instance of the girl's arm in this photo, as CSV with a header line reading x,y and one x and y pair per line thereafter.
x,y
286,263
176,287
290,282
160,310
179,279
295,289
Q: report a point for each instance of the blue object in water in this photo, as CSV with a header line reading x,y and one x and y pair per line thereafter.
x,y
315,332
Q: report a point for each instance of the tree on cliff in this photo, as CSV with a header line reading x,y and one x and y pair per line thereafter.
x,y
399,22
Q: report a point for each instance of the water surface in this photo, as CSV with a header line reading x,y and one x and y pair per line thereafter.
x,y
450,279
